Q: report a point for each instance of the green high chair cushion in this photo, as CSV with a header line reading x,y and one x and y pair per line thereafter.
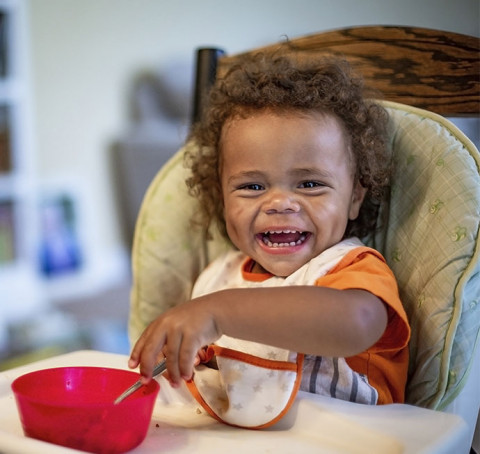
x,y
431,244
430,241
168,252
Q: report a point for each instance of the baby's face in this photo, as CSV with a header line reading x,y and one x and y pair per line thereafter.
x,y
288,187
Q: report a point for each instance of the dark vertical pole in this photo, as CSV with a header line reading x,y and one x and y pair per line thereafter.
x,y
206,72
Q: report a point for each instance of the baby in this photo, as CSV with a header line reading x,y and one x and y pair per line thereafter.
x,y
291,164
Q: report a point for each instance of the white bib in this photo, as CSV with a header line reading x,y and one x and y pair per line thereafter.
x,y
255,384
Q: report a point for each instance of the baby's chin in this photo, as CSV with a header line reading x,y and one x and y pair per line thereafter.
x,y
278,267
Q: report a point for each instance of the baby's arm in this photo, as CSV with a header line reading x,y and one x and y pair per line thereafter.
x,y
307,319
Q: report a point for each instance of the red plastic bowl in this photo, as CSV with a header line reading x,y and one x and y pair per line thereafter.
x,y
73,407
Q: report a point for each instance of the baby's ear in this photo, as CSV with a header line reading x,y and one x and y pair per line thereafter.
x,y
358,194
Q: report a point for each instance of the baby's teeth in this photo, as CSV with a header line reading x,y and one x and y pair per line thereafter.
x,y
292,243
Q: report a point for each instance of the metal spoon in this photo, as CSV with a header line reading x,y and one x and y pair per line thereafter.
x,y
159,368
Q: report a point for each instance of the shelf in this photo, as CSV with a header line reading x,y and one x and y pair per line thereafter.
x,y
22,294
6,147
7,232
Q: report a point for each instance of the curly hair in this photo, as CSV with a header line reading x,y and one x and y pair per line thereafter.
x,y
286,85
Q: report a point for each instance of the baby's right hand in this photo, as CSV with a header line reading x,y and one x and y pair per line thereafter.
x,y
180,334
200,358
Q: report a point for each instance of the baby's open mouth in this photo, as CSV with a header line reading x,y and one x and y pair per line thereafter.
x,y
283,238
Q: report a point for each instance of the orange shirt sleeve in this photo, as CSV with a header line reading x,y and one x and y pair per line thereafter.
x,y
386,362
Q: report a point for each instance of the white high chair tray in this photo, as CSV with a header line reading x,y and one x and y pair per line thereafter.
x,y
315,424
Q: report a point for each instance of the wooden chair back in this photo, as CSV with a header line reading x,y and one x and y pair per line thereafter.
x,y
434,70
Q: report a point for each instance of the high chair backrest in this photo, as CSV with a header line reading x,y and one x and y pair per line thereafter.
x,y
430,69
431,237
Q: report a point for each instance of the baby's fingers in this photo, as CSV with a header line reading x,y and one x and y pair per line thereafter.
x,y
135,354
134,359
181,352
147,351
171,351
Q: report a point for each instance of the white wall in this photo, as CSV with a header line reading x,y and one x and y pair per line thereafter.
x,y
85,53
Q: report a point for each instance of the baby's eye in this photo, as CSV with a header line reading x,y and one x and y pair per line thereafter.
x,y
252,187
310,184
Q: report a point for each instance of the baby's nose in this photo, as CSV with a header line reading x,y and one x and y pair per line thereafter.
x,y
282,202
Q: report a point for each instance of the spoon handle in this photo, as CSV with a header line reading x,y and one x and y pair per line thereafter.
x,y
159,368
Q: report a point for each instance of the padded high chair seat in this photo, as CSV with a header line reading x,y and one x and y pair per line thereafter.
x,y
430,241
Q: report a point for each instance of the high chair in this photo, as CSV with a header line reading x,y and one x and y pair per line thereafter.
x,y
431,238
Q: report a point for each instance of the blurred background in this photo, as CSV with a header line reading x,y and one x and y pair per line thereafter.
x,y
95,95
